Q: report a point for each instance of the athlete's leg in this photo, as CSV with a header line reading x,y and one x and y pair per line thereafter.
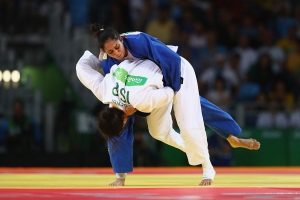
x,y
160,126
190,121
224,125
218,120
189,117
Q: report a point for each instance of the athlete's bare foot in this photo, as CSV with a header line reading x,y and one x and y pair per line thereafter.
x,y
206,182
250,144
208,176
118,182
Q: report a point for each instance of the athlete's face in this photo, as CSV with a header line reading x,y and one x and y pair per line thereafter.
x,y
115,49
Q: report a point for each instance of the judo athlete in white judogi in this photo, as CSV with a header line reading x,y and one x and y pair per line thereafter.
x,y
140,83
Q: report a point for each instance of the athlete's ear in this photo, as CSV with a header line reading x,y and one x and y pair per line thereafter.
x,y
125,118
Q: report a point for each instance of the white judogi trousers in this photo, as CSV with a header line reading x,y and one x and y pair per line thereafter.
x,y
192,138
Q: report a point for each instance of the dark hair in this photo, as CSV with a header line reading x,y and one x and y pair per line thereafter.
x,y
103,34
110,123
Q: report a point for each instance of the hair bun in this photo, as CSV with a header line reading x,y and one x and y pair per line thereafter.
x,y
96,28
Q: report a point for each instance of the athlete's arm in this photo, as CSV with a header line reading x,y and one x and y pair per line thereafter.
x,y
148,100
87,72
146,46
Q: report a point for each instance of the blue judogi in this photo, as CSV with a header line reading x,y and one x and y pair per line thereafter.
x,y
144,46
121,153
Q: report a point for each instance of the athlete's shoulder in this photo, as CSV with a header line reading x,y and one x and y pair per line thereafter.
x,y
133,34
136,35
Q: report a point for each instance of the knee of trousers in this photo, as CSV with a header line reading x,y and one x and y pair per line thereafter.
x,y
194,136
159,135
159,130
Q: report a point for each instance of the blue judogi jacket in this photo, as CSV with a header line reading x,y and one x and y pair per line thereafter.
x,y
144,46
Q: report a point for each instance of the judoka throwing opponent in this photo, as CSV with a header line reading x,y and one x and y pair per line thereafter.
x,y
139,83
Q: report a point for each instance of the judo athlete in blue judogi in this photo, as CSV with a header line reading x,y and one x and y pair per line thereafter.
x,y
179,75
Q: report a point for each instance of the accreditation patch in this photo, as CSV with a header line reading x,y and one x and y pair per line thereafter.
x,y
104,56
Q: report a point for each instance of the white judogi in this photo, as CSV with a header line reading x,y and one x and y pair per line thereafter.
x,y
153,97
137,83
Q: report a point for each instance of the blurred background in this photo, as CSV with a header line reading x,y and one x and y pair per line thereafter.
x,y
246,56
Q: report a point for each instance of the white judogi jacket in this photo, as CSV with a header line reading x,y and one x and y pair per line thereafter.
x,y
137,83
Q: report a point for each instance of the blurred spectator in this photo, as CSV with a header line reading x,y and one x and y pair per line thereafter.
x,y
268,5
272,117
176,9
185,50
268,47
212,48
197,39
229,36
235,7
247,54
262,73
188,53
99,11
162,26
186,22
285,75
293,60
280,95
142,11
119,16
284,19
209,17
248,28
261,101
220,151
248,91
262,29
20,133
224,19
233,68
220,69
289,43
258,105
136,9
295,115
219,95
